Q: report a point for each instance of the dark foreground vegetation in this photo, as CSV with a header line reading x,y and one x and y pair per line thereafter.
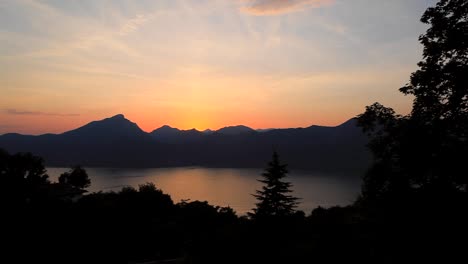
x,y
47,222
413,207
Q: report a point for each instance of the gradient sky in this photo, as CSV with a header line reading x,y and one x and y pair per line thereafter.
x,y
203,63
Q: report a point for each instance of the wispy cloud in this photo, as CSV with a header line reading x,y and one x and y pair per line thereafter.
x,y
85,37
35,113
133,24
275,7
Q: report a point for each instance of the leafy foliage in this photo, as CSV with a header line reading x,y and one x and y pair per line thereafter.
x,y
23,177
428,149
440,86
77,177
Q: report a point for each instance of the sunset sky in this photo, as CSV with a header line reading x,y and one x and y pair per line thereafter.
x,y
203,63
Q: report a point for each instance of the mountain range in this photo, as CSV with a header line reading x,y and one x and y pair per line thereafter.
x,y
118,142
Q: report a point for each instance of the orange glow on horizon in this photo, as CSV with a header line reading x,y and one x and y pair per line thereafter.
x,y
36,125
217,67
200,122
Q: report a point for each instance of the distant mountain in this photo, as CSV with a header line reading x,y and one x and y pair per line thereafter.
x,y
235,130
261,130
116,127
114,140
167,134
208,131
118,142
165,130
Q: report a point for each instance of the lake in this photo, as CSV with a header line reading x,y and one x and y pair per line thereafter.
x,y
226,187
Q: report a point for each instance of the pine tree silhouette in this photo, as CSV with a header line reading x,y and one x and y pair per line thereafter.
x,y
274,199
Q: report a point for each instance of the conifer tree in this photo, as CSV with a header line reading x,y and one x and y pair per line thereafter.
x,y
274,199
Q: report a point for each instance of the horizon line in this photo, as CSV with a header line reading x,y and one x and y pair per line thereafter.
x,y
213,130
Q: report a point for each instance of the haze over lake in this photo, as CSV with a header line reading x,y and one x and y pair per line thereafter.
x,y
226,187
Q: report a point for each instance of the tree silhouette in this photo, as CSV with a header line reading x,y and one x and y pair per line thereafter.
x,y
23,177
77,177
427,149
274,199
26,168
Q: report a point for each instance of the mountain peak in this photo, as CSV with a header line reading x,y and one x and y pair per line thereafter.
x,y
165,129
353,122
116,125
170,134
118,116
234,130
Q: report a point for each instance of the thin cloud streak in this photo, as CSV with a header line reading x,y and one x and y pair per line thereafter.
x,y
35,113
84,36
202,63
277,7
133,24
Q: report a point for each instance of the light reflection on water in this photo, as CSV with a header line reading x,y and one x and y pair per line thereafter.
x,y
225,187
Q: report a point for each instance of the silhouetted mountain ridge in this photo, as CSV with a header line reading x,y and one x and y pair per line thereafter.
x,y
118,142
116,126
165,129
235,130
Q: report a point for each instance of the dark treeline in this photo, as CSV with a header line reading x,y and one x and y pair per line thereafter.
x,y
413,207
57,222
416,191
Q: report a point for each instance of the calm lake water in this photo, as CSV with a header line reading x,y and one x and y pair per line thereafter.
x,y
226,187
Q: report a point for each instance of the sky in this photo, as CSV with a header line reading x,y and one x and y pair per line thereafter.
x,y
203,63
